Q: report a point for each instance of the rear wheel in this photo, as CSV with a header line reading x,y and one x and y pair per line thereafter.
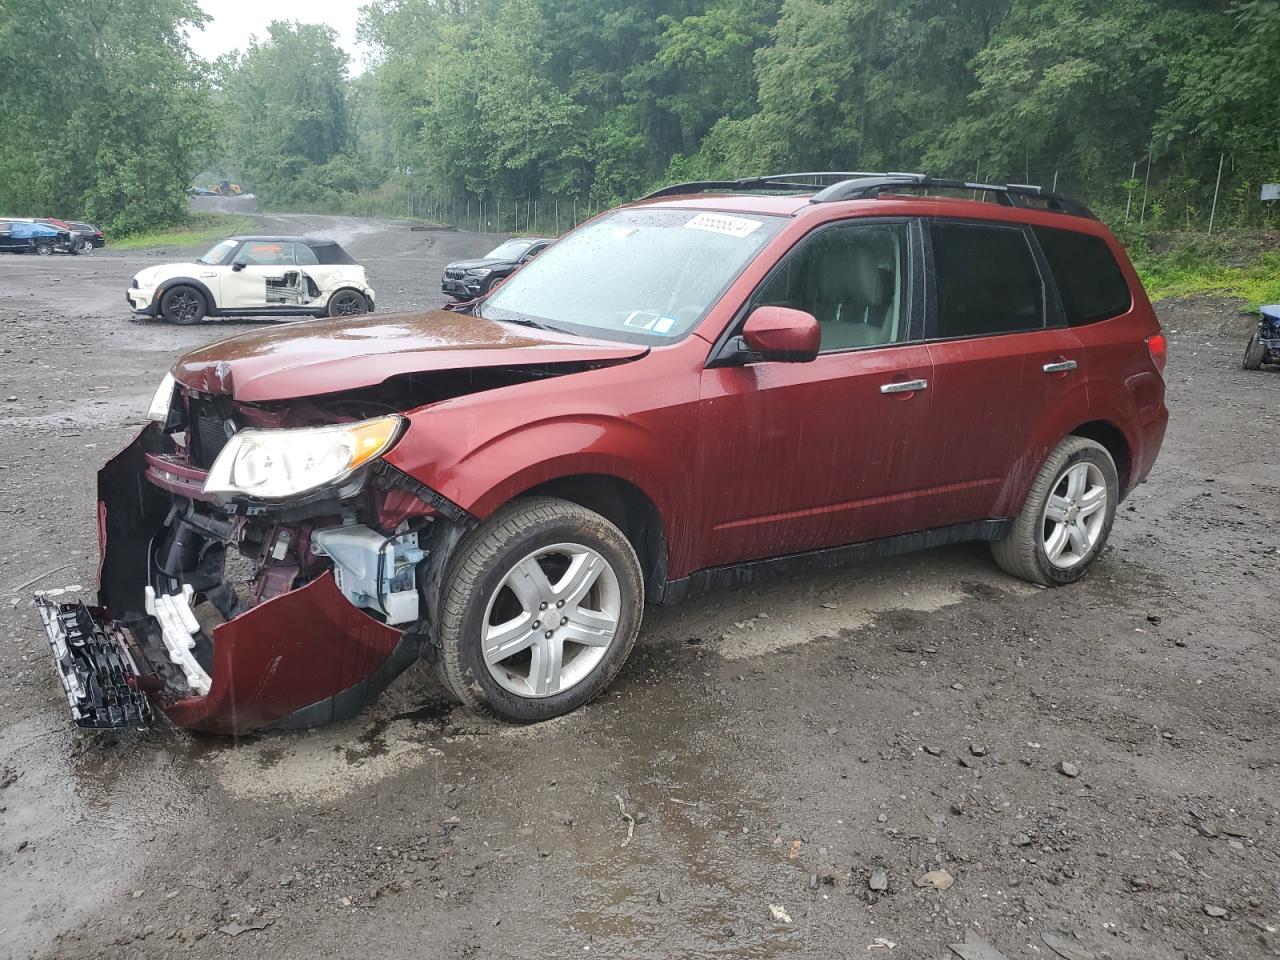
x,y
183,305
1067,517
348,303
1254,353
541,607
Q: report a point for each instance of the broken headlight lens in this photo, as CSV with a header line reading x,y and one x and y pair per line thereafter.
x,y
162,401
271,464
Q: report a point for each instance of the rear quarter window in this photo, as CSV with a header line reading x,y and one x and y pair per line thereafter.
x,y
1090,283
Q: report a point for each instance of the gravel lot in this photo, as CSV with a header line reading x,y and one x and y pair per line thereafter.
x,y
1097,763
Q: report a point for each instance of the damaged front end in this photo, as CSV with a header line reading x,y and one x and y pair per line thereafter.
x,y
249,576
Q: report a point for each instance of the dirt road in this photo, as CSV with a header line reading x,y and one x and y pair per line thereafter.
x,y
794,758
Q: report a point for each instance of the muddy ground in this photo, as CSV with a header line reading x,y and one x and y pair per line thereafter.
x,y
783,751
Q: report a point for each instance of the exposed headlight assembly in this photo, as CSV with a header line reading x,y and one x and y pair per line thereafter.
x,y
162,401
274,464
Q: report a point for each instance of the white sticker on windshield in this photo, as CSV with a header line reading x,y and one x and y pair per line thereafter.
x,y
723,223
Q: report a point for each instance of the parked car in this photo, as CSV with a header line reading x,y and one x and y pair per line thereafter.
x,y
76,242
255,276
785,375
25,235
468,279
92,235
1264,345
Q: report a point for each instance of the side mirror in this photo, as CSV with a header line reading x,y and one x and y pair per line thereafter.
x,y
238,266
779,334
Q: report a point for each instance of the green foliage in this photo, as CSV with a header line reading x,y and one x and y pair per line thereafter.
x,y
106,113
287,119
1243,266
606,98
198,229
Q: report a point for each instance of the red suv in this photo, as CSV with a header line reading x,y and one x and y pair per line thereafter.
x,y
722,379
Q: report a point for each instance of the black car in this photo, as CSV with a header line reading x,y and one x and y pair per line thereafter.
x,y
468,279
91,234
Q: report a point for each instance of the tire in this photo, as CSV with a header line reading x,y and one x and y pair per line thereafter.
x,y
348,303
183,305
1254,353
1045,550
491,563
44,249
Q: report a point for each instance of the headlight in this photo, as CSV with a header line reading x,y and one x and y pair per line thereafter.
x,y
481,272
270,464
162,401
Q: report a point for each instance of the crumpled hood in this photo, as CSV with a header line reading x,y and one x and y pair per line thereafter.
x,y
327,356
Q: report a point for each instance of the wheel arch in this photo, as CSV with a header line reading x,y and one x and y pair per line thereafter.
x,y
627,507
210,302
1116,443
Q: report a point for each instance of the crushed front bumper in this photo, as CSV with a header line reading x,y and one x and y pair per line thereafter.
x,y
302,656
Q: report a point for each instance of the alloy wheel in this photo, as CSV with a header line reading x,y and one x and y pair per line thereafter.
x,y
551,620
184,306
1075,514
346,305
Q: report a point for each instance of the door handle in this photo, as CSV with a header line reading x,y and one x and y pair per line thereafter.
x,y
1060,366
904,386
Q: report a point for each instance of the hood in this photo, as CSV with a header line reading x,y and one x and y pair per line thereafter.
x,y
150,276
477,264
328,356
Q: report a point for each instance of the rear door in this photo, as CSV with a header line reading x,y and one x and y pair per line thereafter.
x,y
1002,358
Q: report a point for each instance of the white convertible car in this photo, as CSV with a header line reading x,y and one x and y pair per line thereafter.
x,y
248,276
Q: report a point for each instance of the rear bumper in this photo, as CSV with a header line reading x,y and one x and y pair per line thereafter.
x,y
304,656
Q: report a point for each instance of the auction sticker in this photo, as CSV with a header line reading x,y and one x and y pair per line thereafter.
x,y
723,223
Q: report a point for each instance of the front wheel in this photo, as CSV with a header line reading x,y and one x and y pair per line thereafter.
x,y
1254,353
44,249
348,303
1067,517
541,607
183,305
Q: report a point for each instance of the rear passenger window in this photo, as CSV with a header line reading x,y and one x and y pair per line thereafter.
x,y
1089,280
987,281
303,255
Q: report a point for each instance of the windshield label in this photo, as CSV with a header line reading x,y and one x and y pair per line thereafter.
x,y
724,224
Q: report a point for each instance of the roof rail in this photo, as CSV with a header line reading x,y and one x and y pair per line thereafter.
x,y
773,181
1009,194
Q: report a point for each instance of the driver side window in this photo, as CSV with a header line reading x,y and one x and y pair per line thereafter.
x,y
853,279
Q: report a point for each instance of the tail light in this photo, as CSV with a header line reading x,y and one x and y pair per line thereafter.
x,y
1158,346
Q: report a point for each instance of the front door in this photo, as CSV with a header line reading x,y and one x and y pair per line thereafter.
x,y
799,456
256,265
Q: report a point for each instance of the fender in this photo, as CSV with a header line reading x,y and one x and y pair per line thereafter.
x,y
210,301
481,478
1088,401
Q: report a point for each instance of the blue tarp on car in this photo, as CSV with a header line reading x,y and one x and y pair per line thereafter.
x,y
28,230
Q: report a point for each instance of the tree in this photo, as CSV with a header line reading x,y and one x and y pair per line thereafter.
x,y
107,112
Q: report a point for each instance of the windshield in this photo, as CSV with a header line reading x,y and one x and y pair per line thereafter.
x,y
511,250
218,253
642,275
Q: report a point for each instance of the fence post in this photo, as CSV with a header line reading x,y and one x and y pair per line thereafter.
x,y
1214,209
1142,217
1128,203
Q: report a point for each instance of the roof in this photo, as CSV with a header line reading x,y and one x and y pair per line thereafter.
x,y
791,194
309,241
